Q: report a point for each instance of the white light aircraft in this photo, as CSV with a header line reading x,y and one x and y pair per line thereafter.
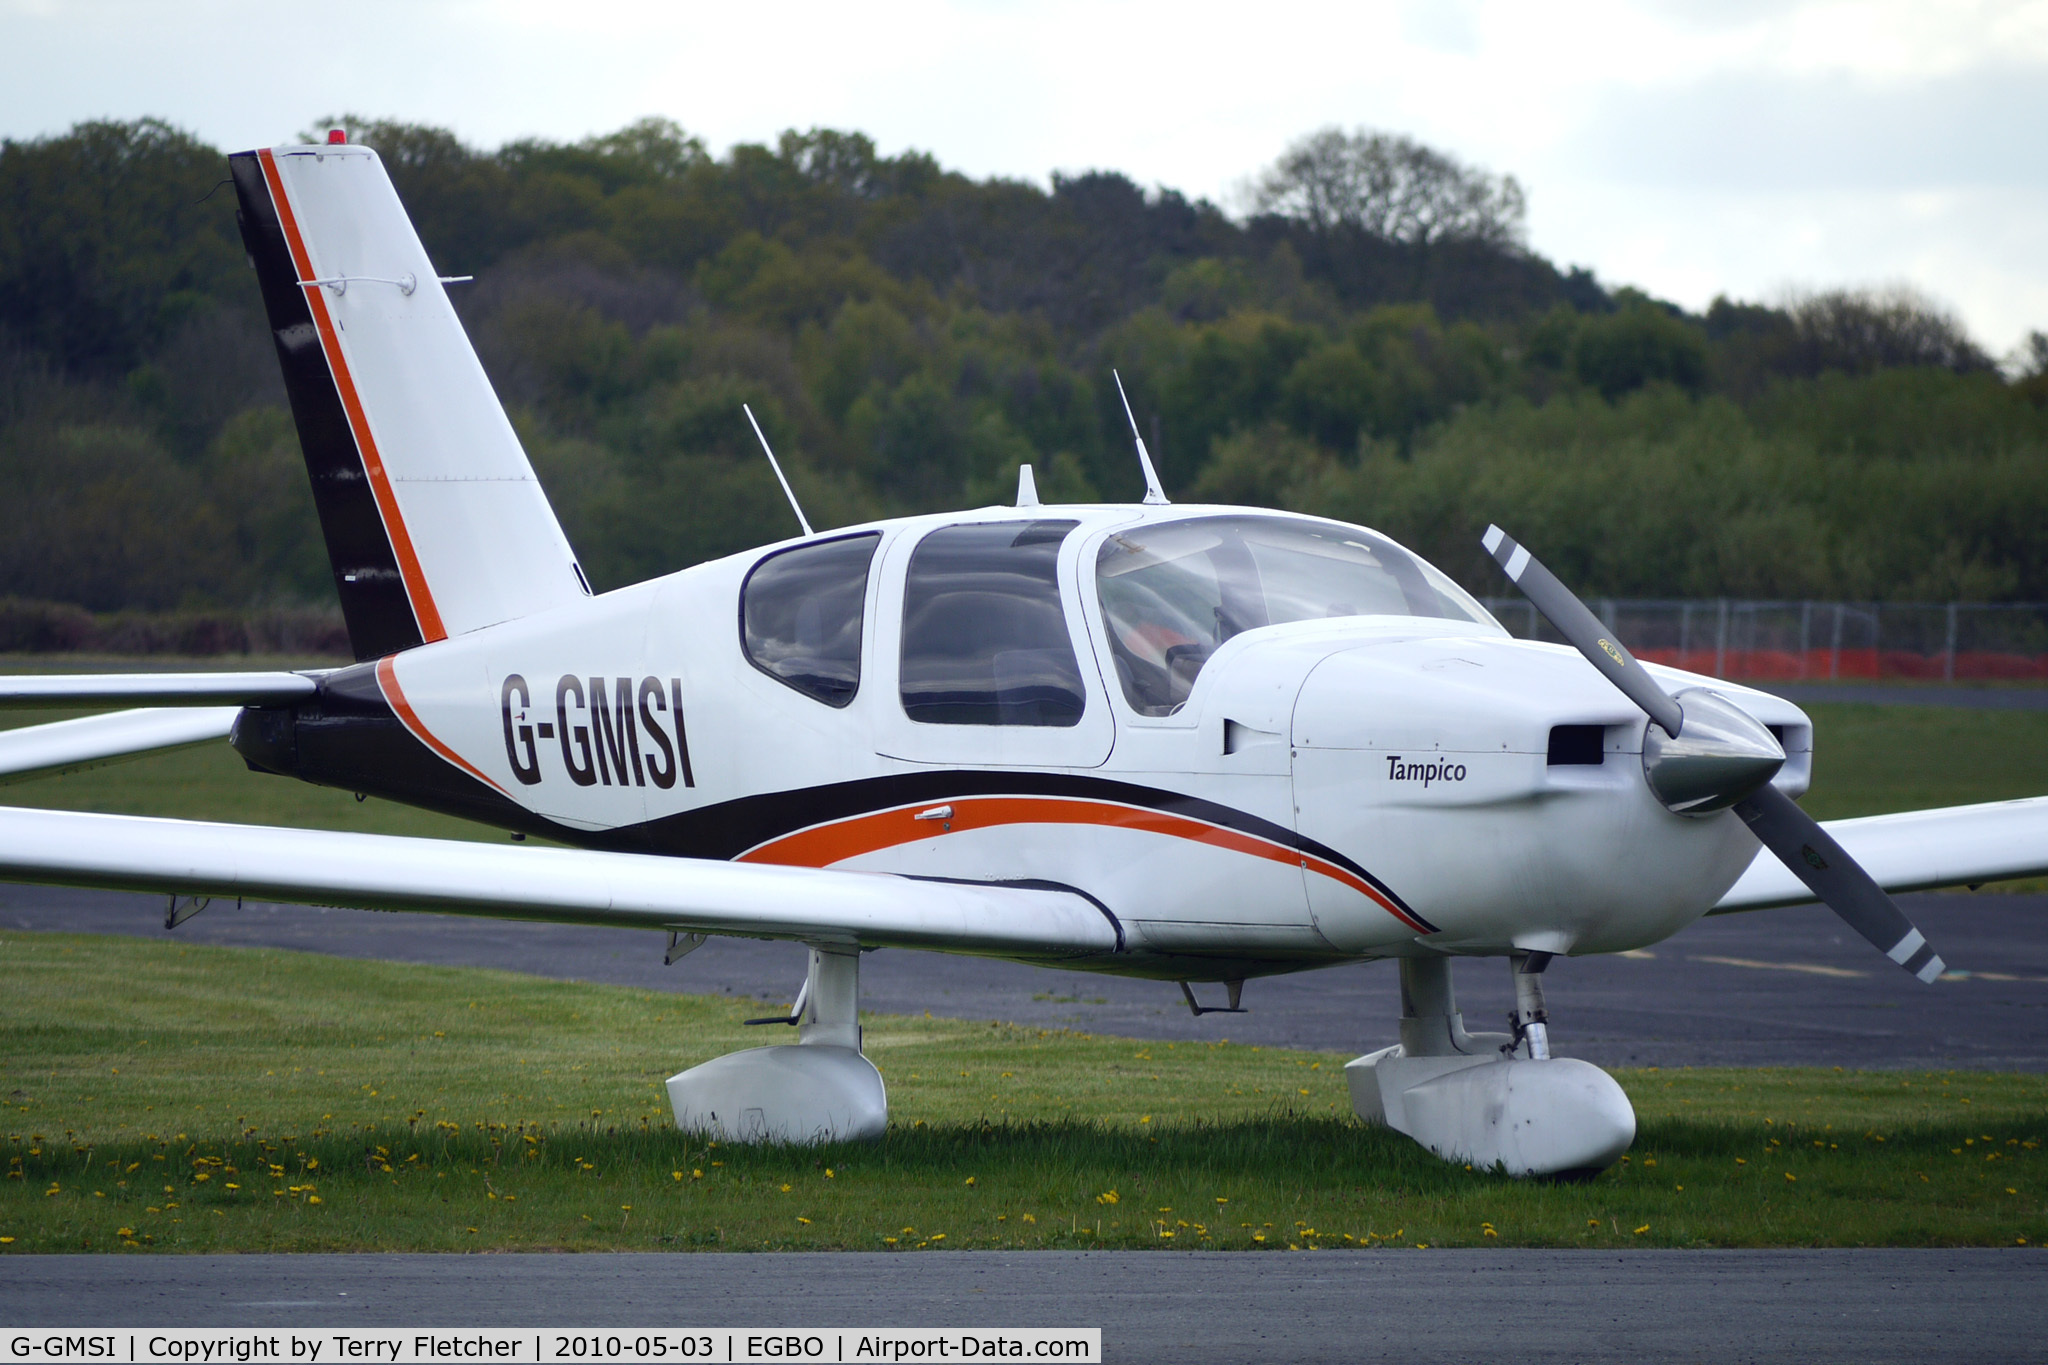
x,y
1192,744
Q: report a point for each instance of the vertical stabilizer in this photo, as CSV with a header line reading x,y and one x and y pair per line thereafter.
x,y
435,523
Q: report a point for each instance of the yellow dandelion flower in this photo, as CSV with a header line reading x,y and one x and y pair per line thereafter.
x,y
1643,1229
313,1199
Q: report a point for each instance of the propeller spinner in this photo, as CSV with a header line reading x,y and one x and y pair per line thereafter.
x,y
1713,755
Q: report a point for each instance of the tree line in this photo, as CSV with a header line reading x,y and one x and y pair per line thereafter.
x,y
1372,340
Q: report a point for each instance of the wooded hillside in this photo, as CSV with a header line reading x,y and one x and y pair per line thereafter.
x,y
1375,342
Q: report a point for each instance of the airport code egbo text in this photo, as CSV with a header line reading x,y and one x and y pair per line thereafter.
x,y
241,1346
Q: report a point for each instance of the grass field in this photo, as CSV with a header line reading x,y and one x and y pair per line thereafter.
x,y
211,1099
195,1098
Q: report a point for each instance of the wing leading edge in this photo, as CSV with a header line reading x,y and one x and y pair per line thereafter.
x,y
633,890
1916,851
67,746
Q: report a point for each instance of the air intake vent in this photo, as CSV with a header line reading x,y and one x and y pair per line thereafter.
x,y
1576,746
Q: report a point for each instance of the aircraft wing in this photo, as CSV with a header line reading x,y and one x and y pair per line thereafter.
x,y
67,746
156,689
1916,851
634,890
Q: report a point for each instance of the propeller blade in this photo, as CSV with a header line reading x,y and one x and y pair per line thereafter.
x,y
1726,763
1828,870
1562,608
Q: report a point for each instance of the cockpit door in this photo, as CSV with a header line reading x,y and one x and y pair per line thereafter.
x,y
981,656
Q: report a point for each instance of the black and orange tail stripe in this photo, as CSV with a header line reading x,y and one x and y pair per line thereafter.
x,y
394,696
415,578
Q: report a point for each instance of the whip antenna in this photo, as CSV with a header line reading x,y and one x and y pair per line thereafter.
x,y
775,465
1153,494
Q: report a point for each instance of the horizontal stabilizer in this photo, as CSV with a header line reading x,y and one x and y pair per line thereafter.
x,y
67,746
155,689
576,886
1916,851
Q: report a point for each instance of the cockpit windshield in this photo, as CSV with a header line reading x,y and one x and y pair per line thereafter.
x,y
1171,593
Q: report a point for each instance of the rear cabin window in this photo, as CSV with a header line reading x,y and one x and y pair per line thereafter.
x,y
800,616
985,638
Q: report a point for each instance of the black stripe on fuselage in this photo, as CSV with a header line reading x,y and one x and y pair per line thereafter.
x,y
374,603
350,738
730,828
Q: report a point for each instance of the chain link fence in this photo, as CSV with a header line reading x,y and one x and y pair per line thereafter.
x,y
1819,641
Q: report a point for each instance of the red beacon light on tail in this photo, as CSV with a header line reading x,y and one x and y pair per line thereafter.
x,y
337,137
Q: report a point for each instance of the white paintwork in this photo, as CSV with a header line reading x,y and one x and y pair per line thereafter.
x,y
1916,851
821,1090
487,540
1469,1097
380,871
67,746
791,1093
1526,1117
157,689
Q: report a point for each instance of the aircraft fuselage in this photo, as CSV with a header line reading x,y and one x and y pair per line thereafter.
x,y
1156,707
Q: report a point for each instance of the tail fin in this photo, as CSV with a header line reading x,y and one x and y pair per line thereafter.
x,y
434,521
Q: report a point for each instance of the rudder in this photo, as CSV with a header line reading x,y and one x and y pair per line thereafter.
x,y
435,524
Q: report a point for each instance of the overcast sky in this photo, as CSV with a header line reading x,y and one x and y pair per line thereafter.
x,y
1690,149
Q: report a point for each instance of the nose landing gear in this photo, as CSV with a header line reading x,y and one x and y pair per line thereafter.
x,y
1530,1021
1490,1099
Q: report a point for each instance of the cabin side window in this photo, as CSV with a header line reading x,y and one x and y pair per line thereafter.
x,y
985,638
800,616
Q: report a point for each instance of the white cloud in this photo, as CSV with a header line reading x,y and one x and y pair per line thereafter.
x,y
1689,149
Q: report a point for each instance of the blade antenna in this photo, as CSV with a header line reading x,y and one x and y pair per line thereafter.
x,y
776,465
1153,494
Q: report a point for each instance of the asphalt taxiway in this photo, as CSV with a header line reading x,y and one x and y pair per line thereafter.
x,y
1415,1307
1791,987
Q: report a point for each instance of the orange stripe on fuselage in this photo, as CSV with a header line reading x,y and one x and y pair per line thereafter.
x,y
387,683
825,845
423,609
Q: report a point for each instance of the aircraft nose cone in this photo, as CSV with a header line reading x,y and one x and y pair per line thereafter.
x,y
1721,755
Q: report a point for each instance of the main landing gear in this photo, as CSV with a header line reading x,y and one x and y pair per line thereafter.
x,y
821,1090
1490,1099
